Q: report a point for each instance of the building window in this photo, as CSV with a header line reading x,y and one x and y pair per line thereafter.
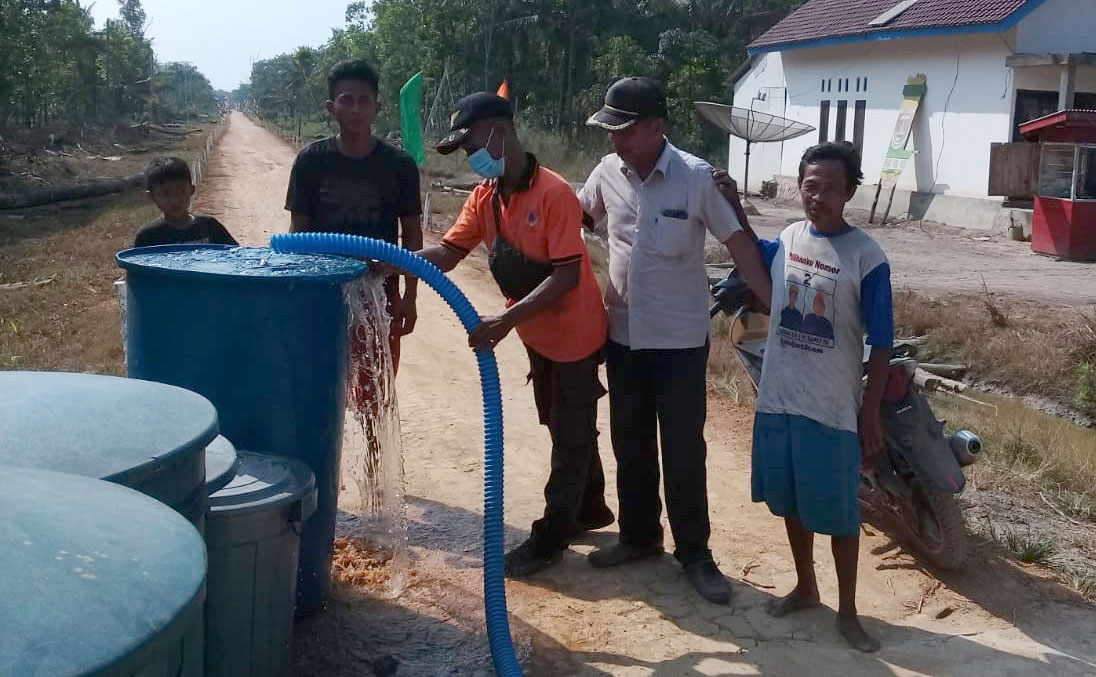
x,y
865,83
839,125
839,83
846,84
824,122
823,88
858,126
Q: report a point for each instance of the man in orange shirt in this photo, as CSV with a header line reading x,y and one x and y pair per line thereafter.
x,y
531,223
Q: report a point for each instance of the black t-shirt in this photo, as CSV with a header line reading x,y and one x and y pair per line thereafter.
x,y
360,196
202,230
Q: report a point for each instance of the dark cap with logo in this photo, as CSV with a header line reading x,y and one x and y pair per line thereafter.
x,y
628,101
470,109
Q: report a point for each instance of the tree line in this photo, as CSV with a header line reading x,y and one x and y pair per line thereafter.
x,y
558,56
56,68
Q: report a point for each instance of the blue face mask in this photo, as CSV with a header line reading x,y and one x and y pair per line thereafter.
x,y
485,164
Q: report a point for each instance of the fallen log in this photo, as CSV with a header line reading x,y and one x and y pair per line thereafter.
x,y
932,382
946,370
912,341
50,194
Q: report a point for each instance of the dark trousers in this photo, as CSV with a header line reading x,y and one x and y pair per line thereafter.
x,y
663,390
566,394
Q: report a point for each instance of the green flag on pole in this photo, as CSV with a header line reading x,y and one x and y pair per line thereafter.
x,y
410,120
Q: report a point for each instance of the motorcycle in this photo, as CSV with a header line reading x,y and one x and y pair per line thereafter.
x,y
914,484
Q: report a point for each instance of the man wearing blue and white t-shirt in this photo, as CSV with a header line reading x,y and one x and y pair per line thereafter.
x,y
816,425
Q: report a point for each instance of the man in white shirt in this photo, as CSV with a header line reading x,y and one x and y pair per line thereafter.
x,y
660,203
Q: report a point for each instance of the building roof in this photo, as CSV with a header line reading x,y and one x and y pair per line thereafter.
x,y
828,22
1054,127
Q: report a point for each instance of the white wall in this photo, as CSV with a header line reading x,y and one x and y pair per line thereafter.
x,y
1048,78
767,76
1059,27
953,130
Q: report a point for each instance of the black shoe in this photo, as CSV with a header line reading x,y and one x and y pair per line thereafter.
x,y
616,555
527,559
599,520
706,578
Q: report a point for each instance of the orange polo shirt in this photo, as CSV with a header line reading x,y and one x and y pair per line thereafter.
x,y
543,222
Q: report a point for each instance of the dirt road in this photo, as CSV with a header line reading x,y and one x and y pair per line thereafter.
x,y
997,619
246,184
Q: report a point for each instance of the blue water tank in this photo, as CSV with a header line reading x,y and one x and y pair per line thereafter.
x,y
264,337
98,580
147,436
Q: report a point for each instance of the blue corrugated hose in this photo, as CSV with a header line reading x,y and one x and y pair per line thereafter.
x,y
494,588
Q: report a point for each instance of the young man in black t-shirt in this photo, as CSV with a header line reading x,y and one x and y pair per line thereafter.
x,y
170,186
357,184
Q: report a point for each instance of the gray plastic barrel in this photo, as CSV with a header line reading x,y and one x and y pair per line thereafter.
x,y
98,580
147,436
254,538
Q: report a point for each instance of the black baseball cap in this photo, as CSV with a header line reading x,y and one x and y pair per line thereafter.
x,y
628,101
474,107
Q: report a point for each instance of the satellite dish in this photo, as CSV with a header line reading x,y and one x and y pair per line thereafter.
x,y
751,126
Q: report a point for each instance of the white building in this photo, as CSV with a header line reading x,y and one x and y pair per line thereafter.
x,y
840,66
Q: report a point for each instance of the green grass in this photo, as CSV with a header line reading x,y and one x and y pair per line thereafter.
x,y
1083,582
1084,391
1022,444
1028,548
557,152
1026,346
310,129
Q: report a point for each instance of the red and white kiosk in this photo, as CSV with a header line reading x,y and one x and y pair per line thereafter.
x,y
1065,206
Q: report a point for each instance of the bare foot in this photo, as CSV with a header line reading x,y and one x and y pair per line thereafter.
x,y
849,627
797,600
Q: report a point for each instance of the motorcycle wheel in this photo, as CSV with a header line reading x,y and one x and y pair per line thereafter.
x,y
937,530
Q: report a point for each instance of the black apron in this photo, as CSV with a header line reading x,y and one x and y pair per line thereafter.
x,y
516,274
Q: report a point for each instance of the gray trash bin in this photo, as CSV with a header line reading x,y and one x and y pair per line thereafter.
x,y
220,464
253,534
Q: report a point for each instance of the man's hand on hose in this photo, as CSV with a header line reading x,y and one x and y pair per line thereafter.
x,y
490,331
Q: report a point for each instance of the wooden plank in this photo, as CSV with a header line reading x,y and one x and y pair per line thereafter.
x,y
1025,60
1014,60
1014,169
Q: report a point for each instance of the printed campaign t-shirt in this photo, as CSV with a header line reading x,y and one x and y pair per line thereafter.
x,y
358,196
202,230
830,290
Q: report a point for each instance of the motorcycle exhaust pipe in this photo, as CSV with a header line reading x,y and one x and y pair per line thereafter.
x,y
966,446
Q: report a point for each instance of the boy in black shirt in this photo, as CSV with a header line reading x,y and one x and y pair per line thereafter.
x,y
170,186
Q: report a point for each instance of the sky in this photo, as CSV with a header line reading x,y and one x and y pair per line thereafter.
x,y
223,37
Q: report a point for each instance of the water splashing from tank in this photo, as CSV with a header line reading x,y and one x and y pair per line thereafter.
x,y
120,294
372,449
